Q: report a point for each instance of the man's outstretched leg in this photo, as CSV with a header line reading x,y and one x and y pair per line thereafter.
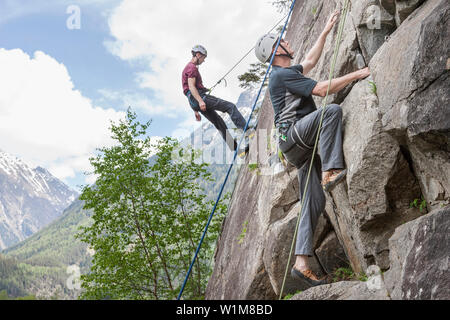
x,y
214,103
217,104
220,125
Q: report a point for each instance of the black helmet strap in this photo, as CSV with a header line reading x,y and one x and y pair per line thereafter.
x,y
287,54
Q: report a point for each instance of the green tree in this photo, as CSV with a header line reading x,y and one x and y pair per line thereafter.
x,y
148,216
253,76
4,295
282,5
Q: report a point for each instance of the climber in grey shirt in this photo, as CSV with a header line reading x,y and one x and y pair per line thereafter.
x,y
297,119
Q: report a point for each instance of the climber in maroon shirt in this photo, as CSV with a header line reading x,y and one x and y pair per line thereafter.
x,y
206,104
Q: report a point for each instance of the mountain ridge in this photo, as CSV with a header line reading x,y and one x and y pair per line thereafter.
x,y
30,199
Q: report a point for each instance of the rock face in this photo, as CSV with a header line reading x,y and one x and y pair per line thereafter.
x,y
330,254
397,151
419,266
372,289
345,290
420,258
373,24
403,8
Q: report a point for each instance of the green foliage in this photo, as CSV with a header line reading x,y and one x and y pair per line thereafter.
x,y
4,296
280,28
282,5
314,11
421,204
347,274
253,76
343,274
12,280
148,218
11,276
289,296
43,258
243,232
373,87
254,167
362,277
280,155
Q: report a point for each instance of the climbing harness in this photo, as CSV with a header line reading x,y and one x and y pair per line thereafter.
x,y
282,131
333,64
235,153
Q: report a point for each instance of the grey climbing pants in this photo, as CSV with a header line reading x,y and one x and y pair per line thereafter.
x,y
298,149
214,104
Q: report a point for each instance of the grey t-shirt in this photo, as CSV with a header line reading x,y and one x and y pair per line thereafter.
x,y
290,92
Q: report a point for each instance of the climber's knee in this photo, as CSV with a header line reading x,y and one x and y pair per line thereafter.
x,y
334,110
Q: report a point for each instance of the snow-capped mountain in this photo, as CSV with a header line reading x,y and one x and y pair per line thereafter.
x,y
30,198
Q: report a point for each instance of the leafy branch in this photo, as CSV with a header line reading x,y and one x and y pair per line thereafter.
x,y
148,215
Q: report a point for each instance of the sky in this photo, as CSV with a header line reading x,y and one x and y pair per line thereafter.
x,y
69,68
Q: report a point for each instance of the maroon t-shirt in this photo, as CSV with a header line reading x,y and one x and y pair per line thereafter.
x,y
191,71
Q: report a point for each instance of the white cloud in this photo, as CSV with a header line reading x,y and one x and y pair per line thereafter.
x,y
44,119
163,34
138,101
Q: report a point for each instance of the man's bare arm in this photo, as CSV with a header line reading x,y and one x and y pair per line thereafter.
x,y
196,94
314,54
339,83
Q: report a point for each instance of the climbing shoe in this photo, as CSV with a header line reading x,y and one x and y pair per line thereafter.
x,y
307,278
337,178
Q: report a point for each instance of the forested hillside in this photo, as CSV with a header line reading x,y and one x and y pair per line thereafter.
x,y
40,264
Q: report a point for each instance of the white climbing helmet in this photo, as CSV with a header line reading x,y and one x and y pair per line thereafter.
x,y
199,48
264,46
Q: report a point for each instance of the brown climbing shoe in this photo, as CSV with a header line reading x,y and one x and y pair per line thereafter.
x,y
307,277
334,179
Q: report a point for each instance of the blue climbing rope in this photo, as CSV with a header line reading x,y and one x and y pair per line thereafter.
x,y
235,153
